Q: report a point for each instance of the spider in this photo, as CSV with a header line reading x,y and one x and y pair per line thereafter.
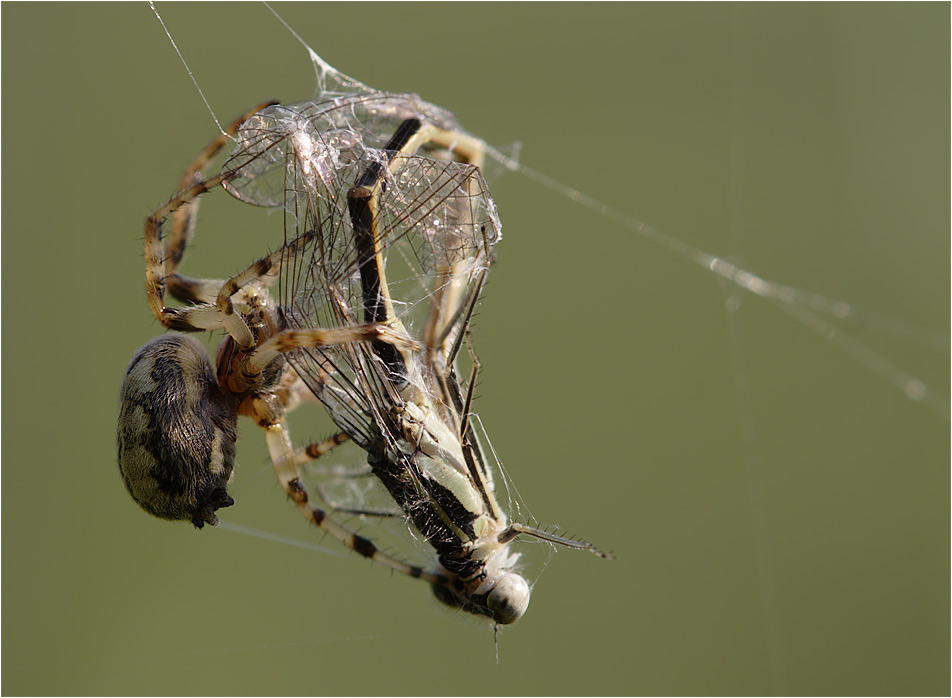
x,y
363,177
178,413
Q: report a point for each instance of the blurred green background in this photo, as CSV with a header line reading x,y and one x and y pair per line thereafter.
x,y
779,511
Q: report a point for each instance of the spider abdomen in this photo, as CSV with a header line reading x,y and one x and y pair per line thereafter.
x,y
177,432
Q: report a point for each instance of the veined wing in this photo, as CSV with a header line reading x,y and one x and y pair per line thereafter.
x,y
434,227
342,126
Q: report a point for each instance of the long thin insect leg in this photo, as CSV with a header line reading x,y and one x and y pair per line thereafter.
x,y
519,529
315,450
312,452
364,204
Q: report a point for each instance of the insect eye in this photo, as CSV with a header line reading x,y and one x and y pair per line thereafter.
x,y
508,600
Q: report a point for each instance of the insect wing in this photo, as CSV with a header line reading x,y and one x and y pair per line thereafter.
x,y
313,136
434,227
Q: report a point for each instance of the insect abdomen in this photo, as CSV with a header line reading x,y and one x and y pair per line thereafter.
x,y
177,432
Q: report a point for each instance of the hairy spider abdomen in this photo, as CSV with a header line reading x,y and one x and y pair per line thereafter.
x,y
177,432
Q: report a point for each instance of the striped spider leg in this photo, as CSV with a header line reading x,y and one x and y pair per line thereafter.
x,y
390,217
162,260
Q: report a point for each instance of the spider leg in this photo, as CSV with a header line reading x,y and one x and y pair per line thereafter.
x,y
219,312
196,291
247,375
161,262
183,219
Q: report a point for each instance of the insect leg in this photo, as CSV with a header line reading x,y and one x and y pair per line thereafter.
x,y
453,276
313,451
364,205
269,414
519,529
